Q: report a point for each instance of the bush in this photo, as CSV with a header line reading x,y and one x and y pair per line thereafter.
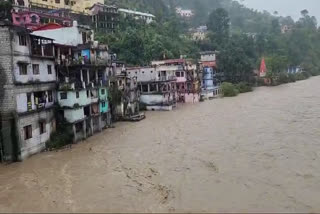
x,y
292,77
283,78
306,74
229,90
315,72
62,137
301,76
243,87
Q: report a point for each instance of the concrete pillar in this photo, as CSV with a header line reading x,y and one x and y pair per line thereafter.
x,y
42,50
59,55
81,75
74,133
88,77
100,127
84,129
91,126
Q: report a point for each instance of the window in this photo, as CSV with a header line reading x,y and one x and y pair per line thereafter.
x,y
22,40
84,37
103,91
145,88
29,97
27,132
153,87
34,19
78,127
63,96
35,69
57,1
177,74
77,94
21,2
49,67
88,94
29,102
23,69
50,97
103,104
42,126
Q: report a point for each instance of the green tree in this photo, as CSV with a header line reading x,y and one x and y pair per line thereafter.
x,y
5,10
219,24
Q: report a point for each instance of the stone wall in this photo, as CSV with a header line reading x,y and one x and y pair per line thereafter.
x,y
8,144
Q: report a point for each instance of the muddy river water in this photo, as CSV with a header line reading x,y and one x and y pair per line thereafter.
x,y
258,152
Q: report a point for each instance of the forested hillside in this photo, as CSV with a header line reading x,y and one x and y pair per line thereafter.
x,y
242,36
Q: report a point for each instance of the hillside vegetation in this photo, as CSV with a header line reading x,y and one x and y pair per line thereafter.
x,y
242,35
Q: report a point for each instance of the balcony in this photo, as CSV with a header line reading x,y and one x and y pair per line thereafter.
x,y
167,78
34,102
42,47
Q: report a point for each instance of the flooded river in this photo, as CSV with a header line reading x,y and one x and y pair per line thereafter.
x,y
258,152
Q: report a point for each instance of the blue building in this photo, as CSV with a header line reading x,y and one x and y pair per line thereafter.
x,y
210,86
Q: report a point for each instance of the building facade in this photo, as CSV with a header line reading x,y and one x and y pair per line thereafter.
x,y
147,17
82,66
79,6
105,18
157,86
210,78
28,95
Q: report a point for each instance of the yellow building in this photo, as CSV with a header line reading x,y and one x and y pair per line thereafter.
x,y
75,5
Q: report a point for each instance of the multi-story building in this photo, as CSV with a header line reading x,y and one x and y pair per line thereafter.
x,y
79,6
27,92
157,84
193,84
126,100
82,74
147,17
211,79
177,68
105,18
33,17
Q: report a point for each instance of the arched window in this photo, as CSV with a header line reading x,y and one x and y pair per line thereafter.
x,y
34,19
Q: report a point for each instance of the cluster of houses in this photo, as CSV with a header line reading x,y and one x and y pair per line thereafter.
x,y
52,71
103,18
60,73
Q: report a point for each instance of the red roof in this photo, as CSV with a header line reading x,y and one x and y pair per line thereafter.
x,y
50,26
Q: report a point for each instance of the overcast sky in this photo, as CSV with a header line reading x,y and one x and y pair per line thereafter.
x,y
286,7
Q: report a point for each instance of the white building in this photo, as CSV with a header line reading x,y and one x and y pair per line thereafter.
x,y
27,92
199,33
147,17
184,13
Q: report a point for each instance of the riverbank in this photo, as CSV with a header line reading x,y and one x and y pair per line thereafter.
x,y
257,152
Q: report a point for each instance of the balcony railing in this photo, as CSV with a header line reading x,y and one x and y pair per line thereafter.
x,y
167,78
